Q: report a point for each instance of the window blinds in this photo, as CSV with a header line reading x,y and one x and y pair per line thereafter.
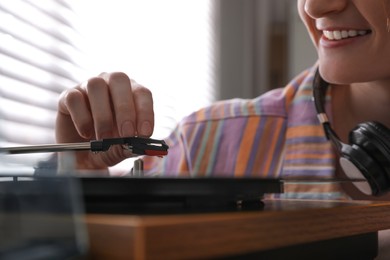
x,y
49,45
38,59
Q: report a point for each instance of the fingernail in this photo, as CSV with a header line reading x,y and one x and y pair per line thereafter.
x,y
128,153
86,134
128,128
146,129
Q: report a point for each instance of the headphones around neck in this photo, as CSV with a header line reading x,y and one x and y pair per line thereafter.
x,y
368,153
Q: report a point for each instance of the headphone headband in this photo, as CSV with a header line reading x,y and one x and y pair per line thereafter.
x,y
367,156
320,87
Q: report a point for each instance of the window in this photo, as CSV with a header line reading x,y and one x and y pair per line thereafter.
x,y
48,45
168,46
38,56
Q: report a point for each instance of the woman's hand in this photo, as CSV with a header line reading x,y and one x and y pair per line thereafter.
x,y
110,105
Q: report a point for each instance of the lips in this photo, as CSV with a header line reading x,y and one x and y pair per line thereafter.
x,y
337,35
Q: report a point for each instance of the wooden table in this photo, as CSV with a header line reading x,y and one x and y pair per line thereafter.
x,y
301,227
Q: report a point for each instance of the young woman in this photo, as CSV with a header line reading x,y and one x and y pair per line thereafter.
x,y
275,135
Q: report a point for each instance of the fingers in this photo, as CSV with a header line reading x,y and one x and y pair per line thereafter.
x,y
73,104
124,111
143,102
100,106
132,105
109,105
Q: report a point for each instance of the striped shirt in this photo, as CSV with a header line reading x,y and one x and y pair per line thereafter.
x,y
276,135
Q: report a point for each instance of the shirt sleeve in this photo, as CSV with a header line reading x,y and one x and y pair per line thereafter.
x,y
175,163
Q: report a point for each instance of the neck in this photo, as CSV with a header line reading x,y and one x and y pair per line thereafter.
x,y
357,103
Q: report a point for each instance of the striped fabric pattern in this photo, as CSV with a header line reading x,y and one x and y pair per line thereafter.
x,y
275,135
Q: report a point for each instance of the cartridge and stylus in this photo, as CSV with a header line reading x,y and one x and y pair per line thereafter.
x,y
137,145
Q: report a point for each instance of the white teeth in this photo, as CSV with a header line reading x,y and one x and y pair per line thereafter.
x,y
352,33
344,34
337,35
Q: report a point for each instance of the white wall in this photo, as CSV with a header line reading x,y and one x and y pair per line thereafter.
x,y
302,53
244,40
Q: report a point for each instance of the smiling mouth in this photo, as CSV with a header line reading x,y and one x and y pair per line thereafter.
x,y
338,35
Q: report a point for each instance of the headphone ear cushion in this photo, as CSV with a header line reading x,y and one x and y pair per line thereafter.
x,y
357,164
372,138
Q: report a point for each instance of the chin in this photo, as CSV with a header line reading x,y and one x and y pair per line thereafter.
x,y
341,72
333,76
339,76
